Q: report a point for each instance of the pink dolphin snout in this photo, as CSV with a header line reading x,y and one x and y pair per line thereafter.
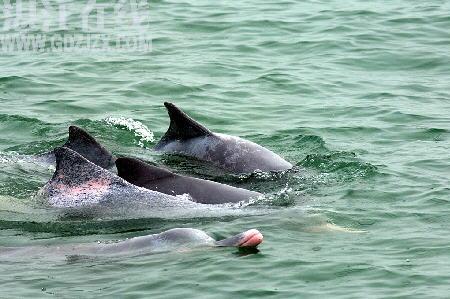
x,y
250,238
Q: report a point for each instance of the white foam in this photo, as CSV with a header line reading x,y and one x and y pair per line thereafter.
x,y
11,157
139,129
4,159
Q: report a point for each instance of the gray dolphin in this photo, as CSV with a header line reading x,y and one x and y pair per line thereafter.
x,y
147,176
188,137
79,183
177,238
154,178
79,188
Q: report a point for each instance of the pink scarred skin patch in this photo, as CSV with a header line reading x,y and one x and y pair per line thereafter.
x,y
251,238
93,186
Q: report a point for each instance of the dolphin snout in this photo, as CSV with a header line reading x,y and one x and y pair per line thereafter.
x,y
250,238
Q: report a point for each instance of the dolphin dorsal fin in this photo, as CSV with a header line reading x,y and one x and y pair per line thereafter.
x,y
182,126
77,181
72,169
138,172
86,145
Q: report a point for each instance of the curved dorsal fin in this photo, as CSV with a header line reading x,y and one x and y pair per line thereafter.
x,y
72,169
182,126
138,172
86,145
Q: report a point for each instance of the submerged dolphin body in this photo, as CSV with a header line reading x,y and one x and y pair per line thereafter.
x,y
79,183
177,238
187,137
162,180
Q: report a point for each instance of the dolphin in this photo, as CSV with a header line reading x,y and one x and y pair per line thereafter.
x,y
177,238
187,137
84,144
79,188
154,178
162,180
79,183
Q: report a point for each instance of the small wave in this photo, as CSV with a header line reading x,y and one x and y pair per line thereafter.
x,y
259,174
284,197
9,158
139,129
4,159
228,205
343,164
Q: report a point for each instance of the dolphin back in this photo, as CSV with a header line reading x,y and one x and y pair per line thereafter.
x,y
83,189
188,137
76,181
144,175
139,173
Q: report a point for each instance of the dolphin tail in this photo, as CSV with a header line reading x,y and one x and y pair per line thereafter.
x,y
250,238
138,172
86,145
181,126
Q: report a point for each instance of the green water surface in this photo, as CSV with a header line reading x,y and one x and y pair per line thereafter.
x,y
356,94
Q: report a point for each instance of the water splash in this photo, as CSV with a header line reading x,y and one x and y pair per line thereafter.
x,y
139,129
9,158
4,159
